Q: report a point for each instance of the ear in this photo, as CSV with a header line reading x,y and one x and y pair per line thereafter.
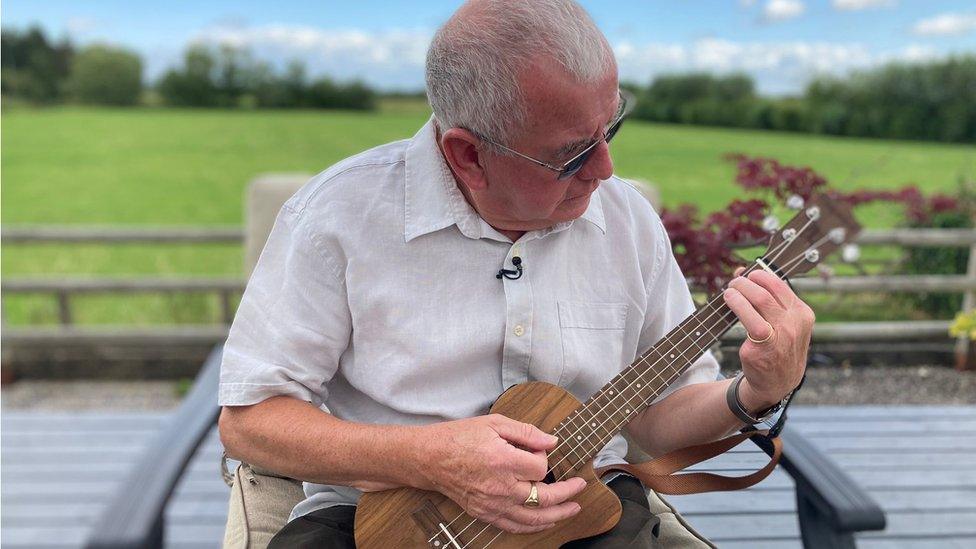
x,y
461,152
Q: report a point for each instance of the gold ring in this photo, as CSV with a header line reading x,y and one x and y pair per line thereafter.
x,y
763,340
533,499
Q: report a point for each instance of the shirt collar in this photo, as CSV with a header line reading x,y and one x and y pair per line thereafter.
x,y
594,212
432,200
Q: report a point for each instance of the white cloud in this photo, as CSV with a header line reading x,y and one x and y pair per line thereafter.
x,y
858,5
727,56
77,26
915,53
390,58
777,67
946,24
781,10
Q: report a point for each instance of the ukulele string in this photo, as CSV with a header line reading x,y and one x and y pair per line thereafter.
x,y
565,441
775,252
675,373
785,269
711,303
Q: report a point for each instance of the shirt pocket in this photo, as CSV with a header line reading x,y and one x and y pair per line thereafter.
x,y
592,337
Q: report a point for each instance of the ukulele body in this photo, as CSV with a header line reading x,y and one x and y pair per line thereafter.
x,y
408,517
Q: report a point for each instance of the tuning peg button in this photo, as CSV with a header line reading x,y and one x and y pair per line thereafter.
x,y
850,253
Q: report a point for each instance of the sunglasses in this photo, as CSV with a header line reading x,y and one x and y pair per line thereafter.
x,y
575,164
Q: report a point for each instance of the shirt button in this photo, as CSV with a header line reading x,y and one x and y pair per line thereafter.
x,y
519,330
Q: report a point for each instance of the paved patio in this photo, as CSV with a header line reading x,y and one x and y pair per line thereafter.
x,y
919,462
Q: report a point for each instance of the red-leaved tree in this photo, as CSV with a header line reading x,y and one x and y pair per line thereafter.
x,y
704,246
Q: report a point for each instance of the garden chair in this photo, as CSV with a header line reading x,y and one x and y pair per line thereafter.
x,y
831,507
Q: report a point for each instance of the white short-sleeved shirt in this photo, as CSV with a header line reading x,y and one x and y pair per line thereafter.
x,y
375,298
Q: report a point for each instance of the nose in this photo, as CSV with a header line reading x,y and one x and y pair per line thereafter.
x,y
599,165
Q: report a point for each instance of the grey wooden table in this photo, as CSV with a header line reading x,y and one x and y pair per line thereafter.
x,y
60,469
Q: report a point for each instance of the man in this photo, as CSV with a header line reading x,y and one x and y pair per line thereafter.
x,y
374,333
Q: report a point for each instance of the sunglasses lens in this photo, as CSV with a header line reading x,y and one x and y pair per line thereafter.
x,y
576,164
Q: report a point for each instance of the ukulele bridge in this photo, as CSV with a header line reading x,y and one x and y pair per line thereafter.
x,y
435,527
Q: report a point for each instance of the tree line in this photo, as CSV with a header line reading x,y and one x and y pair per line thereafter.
x,y
930,101
37,70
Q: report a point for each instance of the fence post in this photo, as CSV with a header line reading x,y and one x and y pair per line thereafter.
x,y
6,370
966,348
225,309
64,309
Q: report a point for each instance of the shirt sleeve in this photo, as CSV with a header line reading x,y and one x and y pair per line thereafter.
x,y
669,303
292,325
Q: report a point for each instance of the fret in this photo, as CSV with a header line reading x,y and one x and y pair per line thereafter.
x,y
571,431
602,422
652,356
562,457
592,426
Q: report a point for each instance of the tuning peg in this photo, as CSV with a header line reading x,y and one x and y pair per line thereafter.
x,y
850,253
770,223
837,235
794,202
812,255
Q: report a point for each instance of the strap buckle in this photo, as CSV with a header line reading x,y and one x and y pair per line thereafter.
x,y
777,427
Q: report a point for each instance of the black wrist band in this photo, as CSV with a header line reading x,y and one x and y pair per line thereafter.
x,y
735,405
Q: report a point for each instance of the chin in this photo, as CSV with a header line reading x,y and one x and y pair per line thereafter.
x,y
572,208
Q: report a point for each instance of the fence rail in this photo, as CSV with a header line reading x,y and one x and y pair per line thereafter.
x,y
228,288
77,285
47,234
210,334
41,234
835,284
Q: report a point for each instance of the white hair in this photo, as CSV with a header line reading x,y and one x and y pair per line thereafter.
x,y
475,60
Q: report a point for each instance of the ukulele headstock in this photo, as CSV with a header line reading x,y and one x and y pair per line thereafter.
x,y
820,227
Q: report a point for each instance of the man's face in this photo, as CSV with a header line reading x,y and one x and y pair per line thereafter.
x,y
564,117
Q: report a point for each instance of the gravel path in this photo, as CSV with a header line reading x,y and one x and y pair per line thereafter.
x,y
90,395
824,386
888,385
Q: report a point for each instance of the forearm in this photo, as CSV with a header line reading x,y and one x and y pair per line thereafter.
x,y
691,415
296,439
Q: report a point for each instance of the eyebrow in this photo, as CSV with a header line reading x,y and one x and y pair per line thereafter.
x,y
579,144
572,147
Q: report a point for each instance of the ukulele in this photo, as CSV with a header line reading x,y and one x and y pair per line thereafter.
x,y
408,517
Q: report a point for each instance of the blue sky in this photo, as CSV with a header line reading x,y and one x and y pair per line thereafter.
x,y
781,43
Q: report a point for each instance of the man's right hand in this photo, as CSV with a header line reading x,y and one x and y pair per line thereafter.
x,y
487,464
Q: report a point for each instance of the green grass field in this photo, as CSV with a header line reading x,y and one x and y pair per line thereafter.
x,y
74,165
165,166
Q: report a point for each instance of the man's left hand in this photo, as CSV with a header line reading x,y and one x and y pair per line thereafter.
x,y
772,314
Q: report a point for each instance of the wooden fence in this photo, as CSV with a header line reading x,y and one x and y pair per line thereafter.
x,y
228,289
63,288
